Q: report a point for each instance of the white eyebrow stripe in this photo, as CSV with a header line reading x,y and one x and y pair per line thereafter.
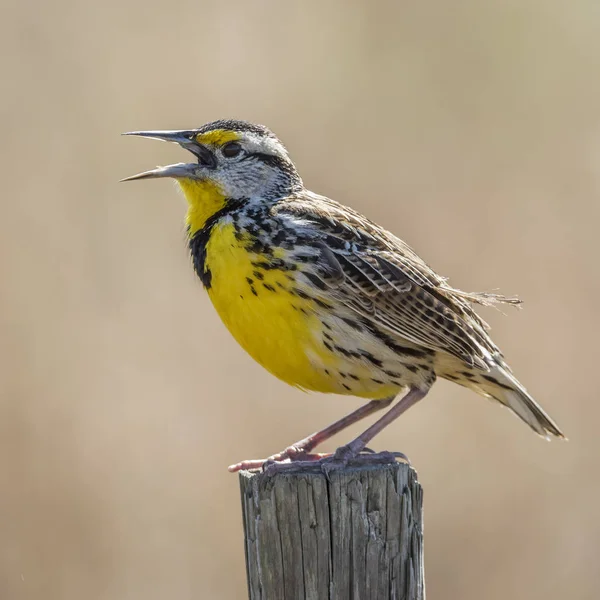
x,y
266,145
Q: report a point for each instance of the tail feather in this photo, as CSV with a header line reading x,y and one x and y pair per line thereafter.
x,y
504,387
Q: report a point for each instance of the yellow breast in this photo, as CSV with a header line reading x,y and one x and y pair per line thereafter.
x,y
279,330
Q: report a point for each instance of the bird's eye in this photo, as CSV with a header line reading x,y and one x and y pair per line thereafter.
x,y
231,149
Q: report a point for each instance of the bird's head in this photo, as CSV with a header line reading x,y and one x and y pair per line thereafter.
x,y
235,159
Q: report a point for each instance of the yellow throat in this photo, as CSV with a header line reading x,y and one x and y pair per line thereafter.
x,y
204,198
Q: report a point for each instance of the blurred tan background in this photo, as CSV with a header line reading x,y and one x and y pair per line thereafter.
x,y
470,128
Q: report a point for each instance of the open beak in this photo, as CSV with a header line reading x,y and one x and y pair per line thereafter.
x,y
180,170
187,140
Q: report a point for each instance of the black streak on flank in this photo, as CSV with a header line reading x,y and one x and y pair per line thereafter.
x,y
322,304
392,345
372,359
275,263
352,323
417,353
198,242
347,353
391,373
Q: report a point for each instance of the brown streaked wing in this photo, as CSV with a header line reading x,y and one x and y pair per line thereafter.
x,y
386,282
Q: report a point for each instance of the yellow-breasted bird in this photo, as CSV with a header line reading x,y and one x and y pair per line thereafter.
x,y
323,298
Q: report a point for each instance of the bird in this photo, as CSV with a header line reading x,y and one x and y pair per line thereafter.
x,y
324,298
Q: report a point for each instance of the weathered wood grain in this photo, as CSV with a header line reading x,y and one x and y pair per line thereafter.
x,y
358,535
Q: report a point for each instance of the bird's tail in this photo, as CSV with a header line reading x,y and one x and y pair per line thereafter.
x,y
503,386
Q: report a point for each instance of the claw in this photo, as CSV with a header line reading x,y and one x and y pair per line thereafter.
x,y
246,465
401,456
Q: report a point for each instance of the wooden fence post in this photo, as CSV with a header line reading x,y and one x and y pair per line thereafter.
x,y
356,536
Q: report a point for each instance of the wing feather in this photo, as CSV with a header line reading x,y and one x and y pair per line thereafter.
x,y
382,279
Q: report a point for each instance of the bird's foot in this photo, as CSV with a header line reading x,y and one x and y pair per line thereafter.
x,y
344,456
291,456
347,456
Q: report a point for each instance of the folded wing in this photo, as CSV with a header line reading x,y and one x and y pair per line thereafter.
x,y
383,280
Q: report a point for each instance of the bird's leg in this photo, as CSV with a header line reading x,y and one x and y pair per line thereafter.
x,y
300,451
351,452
